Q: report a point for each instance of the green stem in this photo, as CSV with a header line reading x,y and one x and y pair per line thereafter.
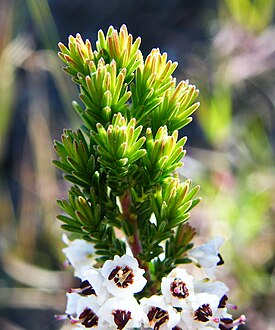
x,y
134,240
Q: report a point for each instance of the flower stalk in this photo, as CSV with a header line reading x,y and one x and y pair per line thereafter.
x,y
134,240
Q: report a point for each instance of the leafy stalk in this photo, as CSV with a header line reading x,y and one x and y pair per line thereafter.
x,y
122,161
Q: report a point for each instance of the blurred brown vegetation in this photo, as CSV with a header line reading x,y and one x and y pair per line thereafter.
x,y
224,47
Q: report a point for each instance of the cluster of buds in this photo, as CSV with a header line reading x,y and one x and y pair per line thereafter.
x,y
107,296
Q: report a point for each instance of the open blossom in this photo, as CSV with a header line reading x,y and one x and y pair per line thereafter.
x,y
79,253
201,312
83,311
122,276
94,279
207,256
122,313
91,287
160,315
178,287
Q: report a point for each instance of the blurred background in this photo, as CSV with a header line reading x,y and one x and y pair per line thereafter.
x,y
227,49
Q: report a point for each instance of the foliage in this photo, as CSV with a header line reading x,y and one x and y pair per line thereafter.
x,y
122,160
253,15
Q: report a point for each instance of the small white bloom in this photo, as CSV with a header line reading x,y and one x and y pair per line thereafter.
x,y
95,280
122,313
79,253
87,302
177,288
207,256
202,312
123,276
160,315
83,311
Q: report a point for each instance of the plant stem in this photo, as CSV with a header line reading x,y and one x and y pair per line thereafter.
x,y
134,240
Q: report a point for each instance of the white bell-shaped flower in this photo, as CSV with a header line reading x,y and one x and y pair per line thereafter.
x,y
79,253
83,312
201,312
207,256
95,281
160,315
178,287
122,276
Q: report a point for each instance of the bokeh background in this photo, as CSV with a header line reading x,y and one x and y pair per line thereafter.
x,y
227,49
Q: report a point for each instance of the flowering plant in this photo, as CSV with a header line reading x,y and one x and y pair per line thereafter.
x,y
128,209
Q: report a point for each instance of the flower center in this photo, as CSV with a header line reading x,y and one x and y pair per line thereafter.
x,y
221,261
223,301
121,318
229,324
122,277
202,313
85,289
157,316
88,318
179,289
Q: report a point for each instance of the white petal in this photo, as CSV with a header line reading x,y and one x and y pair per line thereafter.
x,y
72,300
108,266
213,287
87,302
129,261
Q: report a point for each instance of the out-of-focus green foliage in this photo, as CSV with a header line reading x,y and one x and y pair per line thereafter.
x,y
238,172
43,21
216,114
253,15
29,247
13,52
